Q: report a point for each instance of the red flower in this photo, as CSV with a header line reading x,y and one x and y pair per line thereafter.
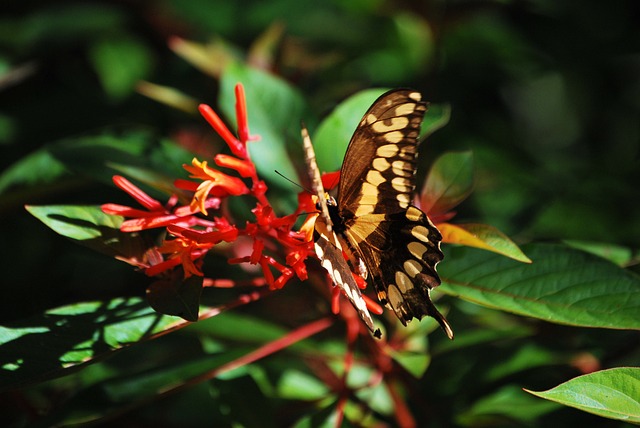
x,y
158,215
191,234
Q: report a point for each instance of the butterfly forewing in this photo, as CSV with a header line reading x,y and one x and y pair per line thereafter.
x,y
378,172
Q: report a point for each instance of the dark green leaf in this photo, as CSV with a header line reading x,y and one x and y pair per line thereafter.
x,y
449,182
562,285
437,117
36,168
617,254
50,344
176,296
120,62
509,403
613,393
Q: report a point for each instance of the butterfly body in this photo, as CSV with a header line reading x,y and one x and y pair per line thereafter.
x,y
372,217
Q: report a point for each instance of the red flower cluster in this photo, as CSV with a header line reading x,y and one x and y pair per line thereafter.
x,y
192,232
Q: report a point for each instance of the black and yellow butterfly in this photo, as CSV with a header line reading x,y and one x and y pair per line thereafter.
x,y
372,218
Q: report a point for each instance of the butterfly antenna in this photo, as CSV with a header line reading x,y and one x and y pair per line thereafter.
x,y
291,181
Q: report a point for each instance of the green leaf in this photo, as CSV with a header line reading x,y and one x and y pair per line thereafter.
x,y
296,385
617,254
176,296
117,393
448,183
36,168
155,163
275,110
79,222
133,60
415,363
49,345
482,236
563,285
92,228
508,403
437,117
334,133
240,327
613,393
526,357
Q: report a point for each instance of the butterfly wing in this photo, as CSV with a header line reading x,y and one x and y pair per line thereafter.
x,y
329,251
327,245
378,172
398,243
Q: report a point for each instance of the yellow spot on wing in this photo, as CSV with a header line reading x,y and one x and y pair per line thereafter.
x,y
413,214
405,109
417,249
387,151
412,268
403,282
394,136
396,123
374,177
421,233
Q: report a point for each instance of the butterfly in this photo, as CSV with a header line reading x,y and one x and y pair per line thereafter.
x,y
372,219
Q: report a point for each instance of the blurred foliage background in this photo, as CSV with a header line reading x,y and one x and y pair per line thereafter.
x,y
545,93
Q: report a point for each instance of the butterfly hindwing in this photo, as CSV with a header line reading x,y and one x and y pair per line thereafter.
x,y
401,251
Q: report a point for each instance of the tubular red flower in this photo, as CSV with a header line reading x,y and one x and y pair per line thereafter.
x,y
136,193
214,181
237,147
241,114
256,253
244,167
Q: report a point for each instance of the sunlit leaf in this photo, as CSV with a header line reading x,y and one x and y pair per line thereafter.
x,y
613,393
79,222
331,138
48,345
449,182
90,227
563,285
481,236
